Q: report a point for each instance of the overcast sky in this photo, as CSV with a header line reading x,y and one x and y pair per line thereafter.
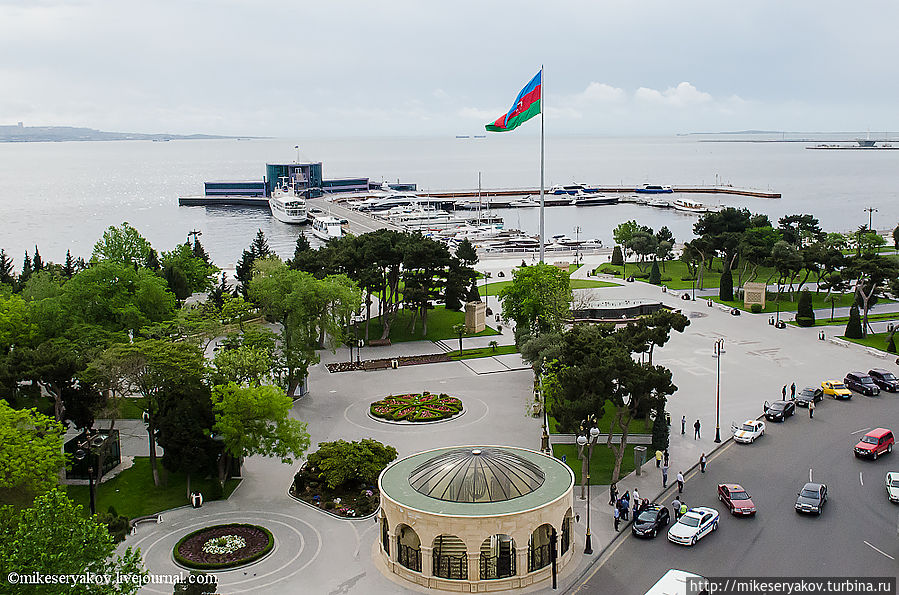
x,y
400,67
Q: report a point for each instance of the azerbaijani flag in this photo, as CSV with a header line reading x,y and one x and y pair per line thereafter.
x,y
527,105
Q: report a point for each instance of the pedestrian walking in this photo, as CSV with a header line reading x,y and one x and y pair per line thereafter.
x,y
675,505
637,503
636,496
702,462
613,494
683,424
680,482
784,393
658,459
696,430
617,515
793,391
666,457
811,409
665,475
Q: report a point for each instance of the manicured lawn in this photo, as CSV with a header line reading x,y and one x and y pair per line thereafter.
x,y
133,494
637,426
493,289
132,407
601,462
875,340
482,352
787,305
440,326
675,274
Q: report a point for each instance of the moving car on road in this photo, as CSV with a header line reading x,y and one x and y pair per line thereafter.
x,y
875,443
836,389
695,524
809,394
737,500
749,431
811,498
650,521
779,410
675,581
884,379
892,482
861,383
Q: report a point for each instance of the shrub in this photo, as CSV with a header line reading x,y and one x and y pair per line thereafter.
x,y
805,316
854,326
726,286
115,523
617,257
891,346
755,308
655,275
230,564
342,463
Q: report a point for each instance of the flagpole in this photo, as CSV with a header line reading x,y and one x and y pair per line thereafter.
x,y
542,109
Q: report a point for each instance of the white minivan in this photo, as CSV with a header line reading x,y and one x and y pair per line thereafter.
x,y
674,582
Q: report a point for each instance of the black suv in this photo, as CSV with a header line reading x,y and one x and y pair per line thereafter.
x,y
884,379
809,394
861,383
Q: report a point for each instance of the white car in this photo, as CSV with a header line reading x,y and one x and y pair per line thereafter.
x,y
749,431
892,482
694,525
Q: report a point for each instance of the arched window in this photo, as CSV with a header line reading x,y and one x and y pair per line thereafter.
x,y
540,547
565,538
450,557
497,557
408,548
385,535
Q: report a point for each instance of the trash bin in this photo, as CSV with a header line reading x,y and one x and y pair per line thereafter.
x,y
394,364
196,499
639,458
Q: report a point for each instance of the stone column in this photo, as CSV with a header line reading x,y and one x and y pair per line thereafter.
x,y
427,561
474,566
521,560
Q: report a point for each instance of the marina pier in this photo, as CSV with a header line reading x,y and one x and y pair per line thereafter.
x,y
485,193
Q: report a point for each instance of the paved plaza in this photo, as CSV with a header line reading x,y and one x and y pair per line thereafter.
x,y
316,553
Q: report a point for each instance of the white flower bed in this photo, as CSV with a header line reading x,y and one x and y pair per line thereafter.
x,y
224,545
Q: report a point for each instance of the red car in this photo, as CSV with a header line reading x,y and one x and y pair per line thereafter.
x,y
875,443
738,500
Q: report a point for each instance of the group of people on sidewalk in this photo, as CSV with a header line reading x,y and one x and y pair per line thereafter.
x,y
625,503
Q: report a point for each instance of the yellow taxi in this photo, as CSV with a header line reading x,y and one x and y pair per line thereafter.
x,y
836,389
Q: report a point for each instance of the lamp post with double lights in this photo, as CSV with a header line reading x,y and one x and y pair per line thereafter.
x,y
87,448
589,429
719,349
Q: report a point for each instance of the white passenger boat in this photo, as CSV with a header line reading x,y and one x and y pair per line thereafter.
x,y
286,205
690,206
327,227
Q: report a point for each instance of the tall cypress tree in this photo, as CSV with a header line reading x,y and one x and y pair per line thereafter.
x,y
854,326
199,251
660,430
6,268
37,263
726,285
68,269
152,261
655,276
805,315
260,247
617,257
26,269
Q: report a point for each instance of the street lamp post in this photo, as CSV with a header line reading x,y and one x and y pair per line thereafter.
x,y
87,448
694,290
719,349
582,441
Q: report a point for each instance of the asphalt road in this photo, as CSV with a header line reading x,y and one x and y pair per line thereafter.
x,y
857,518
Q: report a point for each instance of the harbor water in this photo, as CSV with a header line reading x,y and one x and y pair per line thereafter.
x,y
63,195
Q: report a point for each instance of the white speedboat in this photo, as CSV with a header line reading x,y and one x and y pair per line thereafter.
x,y
286,205
660,203
327,227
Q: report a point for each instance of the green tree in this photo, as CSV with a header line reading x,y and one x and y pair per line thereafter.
x,y
37,263
350,464
895,239
617,257
787,262
537,300
186,273
874,275
726,285
805,315
255,420
459,331
31,449
854,326
6,268
152,262
425,264
68,269
623,233
54,537
660,429
122,245
26,269
184,431
247,359
258,250
655,275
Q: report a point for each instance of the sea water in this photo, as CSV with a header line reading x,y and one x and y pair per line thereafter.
x,y
61,196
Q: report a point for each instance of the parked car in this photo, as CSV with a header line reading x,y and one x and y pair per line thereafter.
x,y
875,443
861,383
884,379
811,498
749,431
779,410
836,389
808,395
892,482
737,500
695,524
650,521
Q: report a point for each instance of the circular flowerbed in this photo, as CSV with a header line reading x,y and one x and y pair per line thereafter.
x,y
416,407
223,546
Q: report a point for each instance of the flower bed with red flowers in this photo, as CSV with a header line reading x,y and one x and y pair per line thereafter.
x,y
223,546
417,407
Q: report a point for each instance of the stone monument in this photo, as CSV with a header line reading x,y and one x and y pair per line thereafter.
x,y
475,316
754,293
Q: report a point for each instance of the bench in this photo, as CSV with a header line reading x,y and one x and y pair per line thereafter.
x,y
379,343
132,524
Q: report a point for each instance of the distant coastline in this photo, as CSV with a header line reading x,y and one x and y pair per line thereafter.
x,y
34,134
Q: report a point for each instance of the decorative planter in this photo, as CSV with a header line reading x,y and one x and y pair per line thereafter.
x,y
423,407
223,546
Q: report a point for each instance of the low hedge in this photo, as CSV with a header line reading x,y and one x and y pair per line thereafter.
x,y
224,565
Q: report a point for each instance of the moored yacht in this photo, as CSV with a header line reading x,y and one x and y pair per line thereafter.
x,y
286,205
653,189
327,227
690,206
